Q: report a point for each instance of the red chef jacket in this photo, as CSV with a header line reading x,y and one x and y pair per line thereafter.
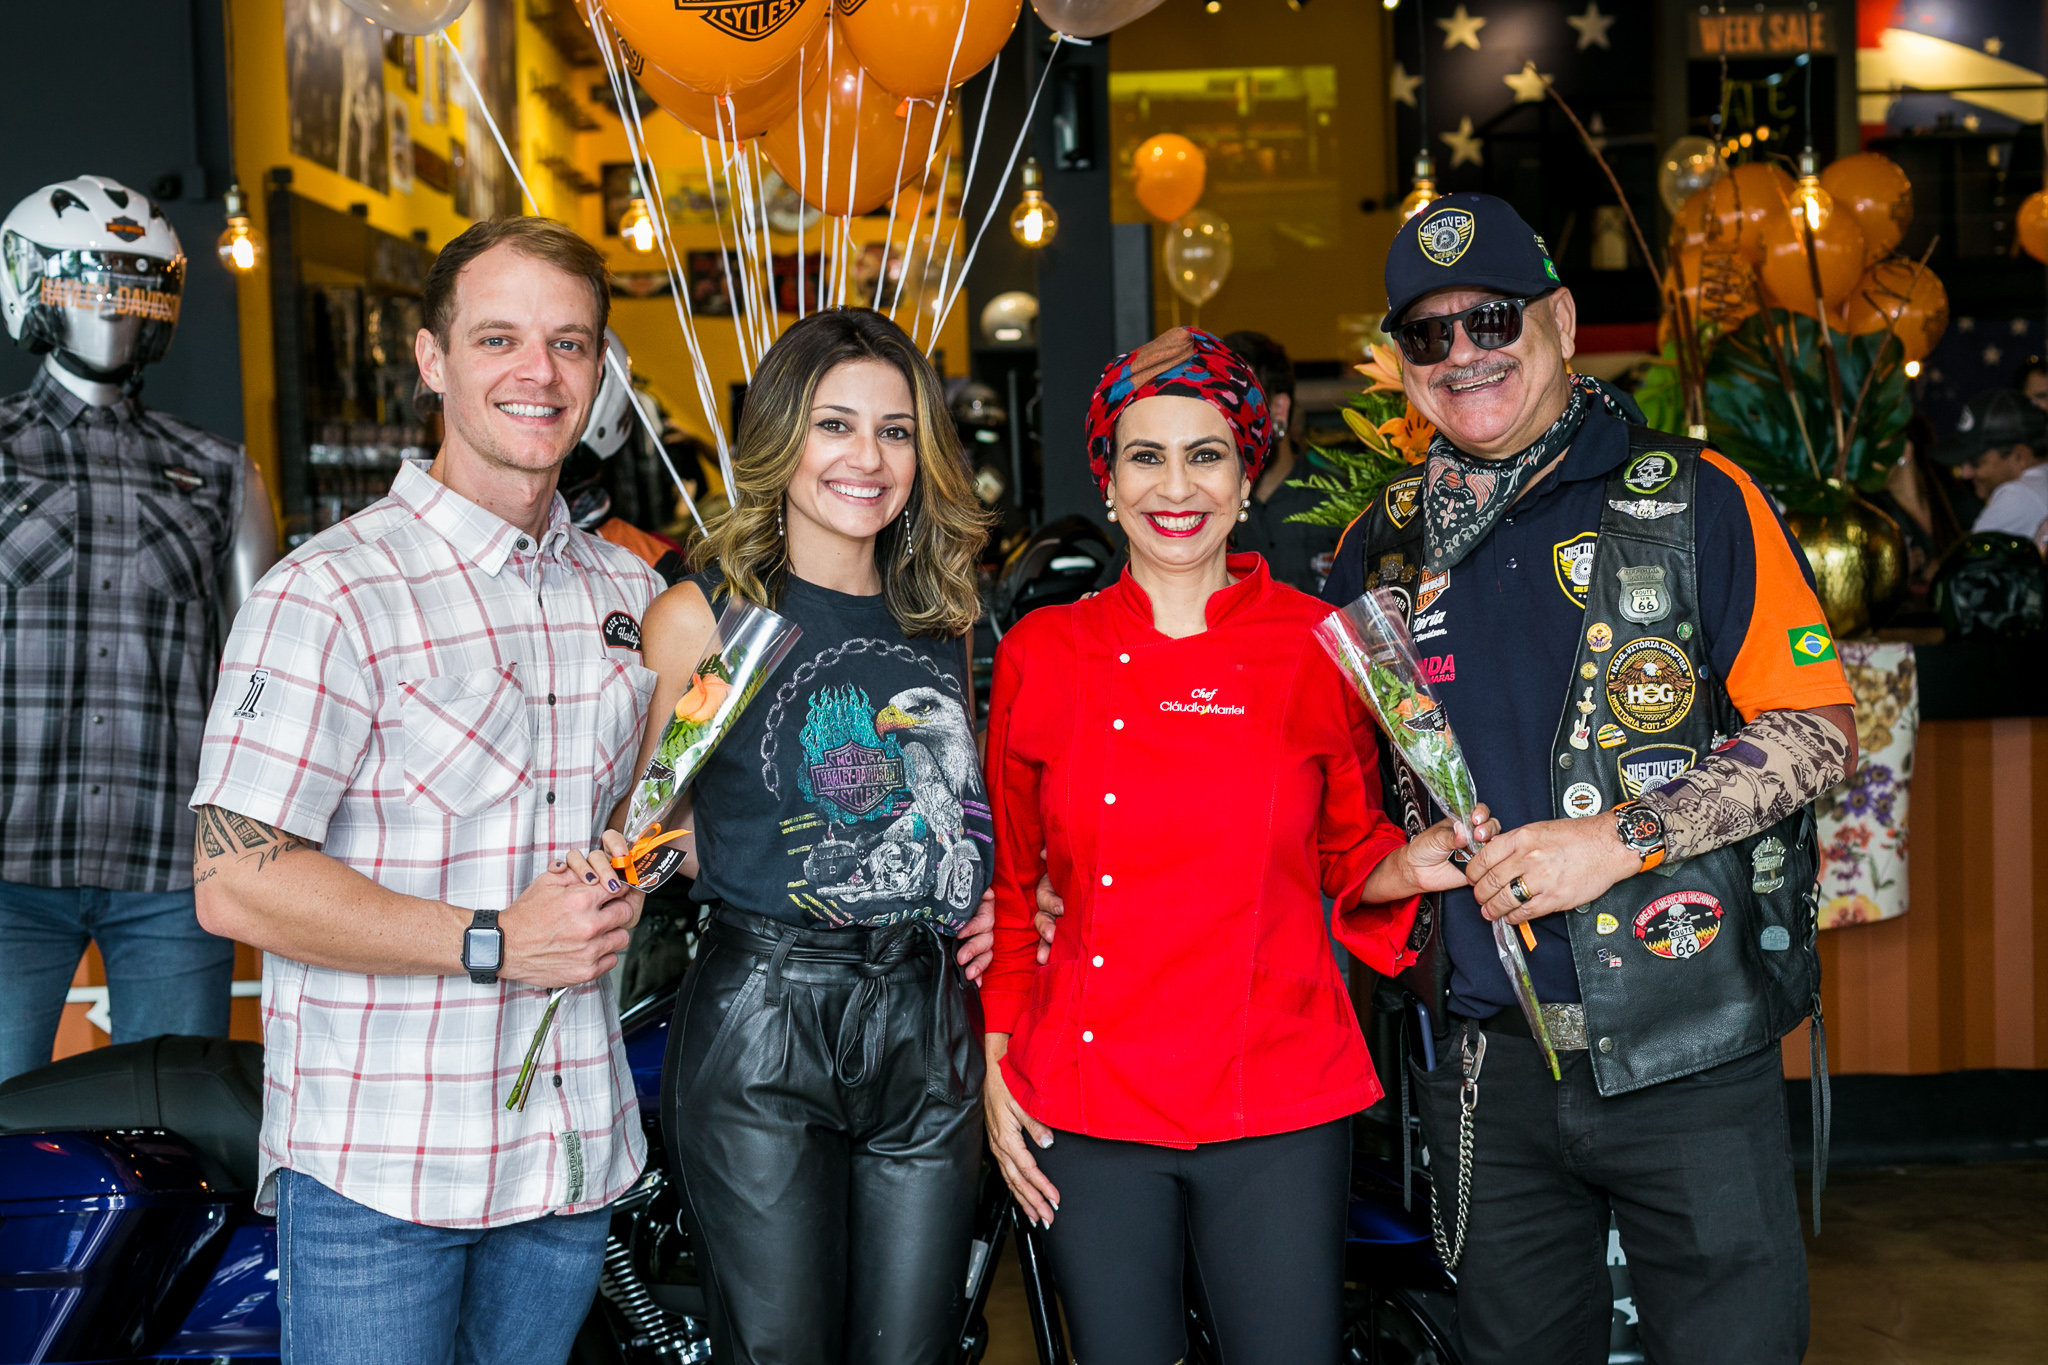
x,y
1196,798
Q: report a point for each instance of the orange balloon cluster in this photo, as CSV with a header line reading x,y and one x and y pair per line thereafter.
x,y
870,84
2033,225
859,143
1739,243
1169,173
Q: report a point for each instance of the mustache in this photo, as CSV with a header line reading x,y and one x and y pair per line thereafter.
x,y
1465,374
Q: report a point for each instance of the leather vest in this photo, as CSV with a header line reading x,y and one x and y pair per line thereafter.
x,y
1693,963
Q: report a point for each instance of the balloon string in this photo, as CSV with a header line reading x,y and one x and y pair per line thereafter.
x,y
995,201
966,184
889,232
745,306
825,166
760,193
910,247
718,224
477,101
939,122
860,90
647,423
629,117
803,304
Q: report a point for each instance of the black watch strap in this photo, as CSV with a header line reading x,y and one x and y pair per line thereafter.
x,y
483,928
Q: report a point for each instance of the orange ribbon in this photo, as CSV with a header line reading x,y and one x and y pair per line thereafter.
x,y
642,846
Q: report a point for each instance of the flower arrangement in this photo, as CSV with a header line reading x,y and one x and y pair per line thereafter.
x,y
1394,435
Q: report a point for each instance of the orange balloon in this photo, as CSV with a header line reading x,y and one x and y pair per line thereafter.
x,y
908,45
2033,225
748,113
1872,189
716,49
1169,172
868,135
1733,208
1787,280
1914,305
1717,282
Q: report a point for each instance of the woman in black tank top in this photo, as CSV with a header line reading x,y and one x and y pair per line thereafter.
x,y
820,1097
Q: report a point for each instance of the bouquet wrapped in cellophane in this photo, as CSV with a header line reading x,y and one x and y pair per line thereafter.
x,y
749,643
1369,640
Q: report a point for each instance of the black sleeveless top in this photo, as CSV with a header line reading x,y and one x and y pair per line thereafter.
x,y
849,792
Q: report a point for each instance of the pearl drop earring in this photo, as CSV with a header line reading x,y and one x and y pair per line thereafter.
x,y
1110,503
1244,513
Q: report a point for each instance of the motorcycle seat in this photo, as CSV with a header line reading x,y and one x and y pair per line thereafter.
x,y
209,1091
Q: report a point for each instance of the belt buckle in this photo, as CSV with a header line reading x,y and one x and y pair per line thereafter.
x,y
1566,1024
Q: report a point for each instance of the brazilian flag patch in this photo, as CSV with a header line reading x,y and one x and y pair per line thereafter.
x,y
1811,644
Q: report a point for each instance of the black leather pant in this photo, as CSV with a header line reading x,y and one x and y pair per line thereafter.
x,y
821,1102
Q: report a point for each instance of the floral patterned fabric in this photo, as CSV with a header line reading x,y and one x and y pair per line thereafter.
x,y
1863,821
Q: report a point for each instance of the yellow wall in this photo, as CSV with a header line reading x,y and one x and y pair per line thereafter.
x,y
1300,308
649,327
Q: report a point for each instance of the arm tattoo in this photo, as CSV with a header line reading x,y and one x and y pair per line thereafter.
x,y
224,834
1774,765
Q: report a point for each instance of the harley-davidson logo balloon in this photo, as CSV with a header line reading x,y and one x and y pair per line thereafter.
x,y
748,23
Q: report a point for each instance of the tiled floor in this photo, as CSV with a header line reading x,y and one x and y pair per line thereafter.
x,y
1930,1265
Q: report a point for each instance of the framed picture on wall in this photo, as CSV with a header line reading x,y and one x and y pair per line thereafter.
x,y
334,90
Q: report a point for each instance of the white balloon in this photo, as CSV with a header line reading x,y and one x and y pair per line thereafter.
x,y
417,17
1090,18
1198,254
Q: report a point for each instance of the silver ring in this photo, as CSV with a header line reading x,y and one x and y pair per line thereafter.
x,y
1519,889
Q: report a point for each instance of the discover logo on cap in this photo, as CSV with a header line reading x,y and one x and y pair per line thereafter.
x,y
1465,241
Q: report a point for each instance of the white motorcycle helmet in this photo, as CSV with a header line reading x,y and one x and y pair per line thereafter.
x,y
611,415
92,270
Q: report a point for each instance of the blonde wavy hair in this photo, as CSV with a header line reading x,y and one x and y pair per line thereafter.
x,y
930,592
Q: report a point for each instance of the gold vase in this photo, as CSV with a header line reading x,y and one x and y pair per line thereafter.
x,y
1858,556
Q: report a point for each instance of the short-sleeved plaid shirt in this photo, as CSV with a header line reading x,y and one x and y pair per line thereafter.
x,y
445,707
114,523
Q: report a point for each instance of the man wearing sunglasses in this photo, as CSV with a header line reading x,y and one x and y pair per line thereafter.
x,y
1626,640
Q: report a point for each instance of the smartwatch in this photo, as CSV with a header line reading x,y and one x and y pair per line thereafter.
x,y
1642,832
483,948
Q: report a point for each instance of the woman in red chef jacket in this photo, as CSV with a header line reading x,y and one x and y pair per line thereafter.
x,y
1199,776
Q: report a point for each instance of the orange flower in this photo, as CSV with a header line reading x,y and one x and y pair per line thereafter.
x,y
1383,369
707,693
1410,433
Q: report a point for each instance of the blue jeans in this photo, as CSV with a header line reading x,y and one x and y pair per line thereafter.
x,y
359,1287
165,974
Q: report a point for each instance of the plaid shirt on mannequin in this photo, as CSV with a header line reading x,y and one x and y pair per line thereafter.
x,y
445,707
114,525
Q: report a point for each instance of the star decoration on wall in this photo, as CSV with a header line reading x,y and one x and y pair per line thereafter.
x,y
1401,86
1466,150
1528,84
1993,46
1461,28
1592,26
1992,355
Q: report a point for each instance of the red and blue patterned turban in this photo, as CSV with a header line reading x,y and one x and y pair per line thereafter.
x,y
1183,363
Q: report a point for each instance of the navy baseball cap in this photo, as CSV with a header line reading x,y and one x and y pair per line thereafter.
x,y
1465,241
1998,420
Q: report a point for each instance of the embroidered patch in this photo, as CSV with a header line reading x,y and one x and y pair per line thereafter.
x,y
1446,235
1402,496
184,479
1652,765
1681,925
1573,560
572,1165
246,710
1811,644
1650,471
1649,685
1646,509
621,631
1431,588
1582,799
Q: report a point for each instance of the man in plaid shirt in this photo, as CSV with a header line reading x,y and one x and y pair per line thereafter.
x,y
424,715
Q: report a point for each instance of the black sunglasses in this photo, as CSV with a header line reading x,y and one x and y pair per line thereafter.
x,y
1491,325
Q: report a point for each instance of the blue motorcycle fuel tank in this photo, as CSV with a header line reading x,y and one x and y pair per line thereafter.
x,y
106,1238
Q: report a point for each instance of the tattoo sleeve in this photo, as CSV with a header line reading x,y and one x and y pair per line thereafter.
x,y
224,834
1774,765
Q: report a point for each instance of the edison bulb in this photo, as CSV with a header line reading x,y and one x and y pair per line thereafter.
x,y
1912,369
1809,201
636,226
1422,194
1034,222
240,245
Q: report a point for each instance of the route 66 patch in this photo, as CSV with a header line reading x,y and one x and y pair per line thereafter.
x,y
1681,925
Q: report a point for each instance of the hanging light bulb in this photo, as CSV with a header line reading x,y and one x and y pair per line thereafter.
x,y
1425,189
1390,4
1033,222
1809,200
636,224
240,245
1912,369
